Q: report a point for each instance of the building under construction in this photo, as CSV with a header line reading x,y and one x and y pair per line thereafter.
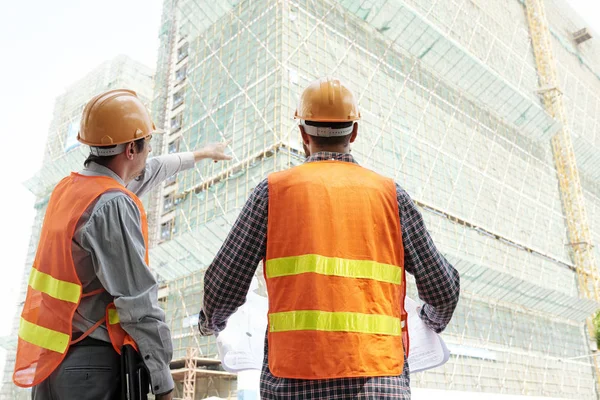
x,y
485,111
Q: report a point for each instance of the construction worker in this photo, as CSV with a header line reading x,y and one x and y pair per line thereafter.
x,y
90,289
336,240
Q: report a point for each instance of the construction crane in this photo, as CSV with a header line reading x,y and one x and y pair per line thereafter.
x,y
578,228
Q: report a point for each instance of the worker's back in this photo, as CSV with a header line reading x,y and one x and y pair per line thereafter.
x,y
334,270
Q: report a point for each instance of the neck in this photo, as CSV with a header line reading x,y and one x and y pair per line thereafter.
x,y
121,170
343,149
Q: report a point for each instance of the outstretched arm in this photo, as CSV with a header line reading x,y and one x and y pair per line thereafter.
x,y
162,167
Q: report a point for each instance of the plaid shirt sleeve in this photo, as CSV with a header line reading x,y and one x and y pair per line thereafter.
x,y
229,276
438,282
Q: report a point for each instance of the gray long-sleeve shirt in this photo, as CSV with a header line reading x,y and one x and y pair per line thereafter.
x,y
108,250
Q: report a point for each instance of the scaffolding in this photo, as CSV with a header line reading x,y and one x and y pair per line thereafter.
x,y
163,79
566,165
451,110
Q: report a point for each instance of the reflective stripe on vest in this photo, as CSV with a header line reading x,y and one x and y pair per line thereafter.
x,y
333,266
335,322
43,337
61,290
113,316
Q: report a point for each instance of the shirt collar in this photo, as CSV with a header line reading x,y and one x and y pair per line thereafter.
x,y
328,155
94,169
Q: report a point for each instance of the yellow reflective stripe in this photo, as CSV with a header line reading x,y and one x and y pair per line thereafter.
x,y
113,316
287,266
43,337
334,322
61,290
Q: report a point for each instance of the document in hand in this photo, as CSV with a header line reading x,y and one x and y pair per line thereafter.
x,y
427,348
241,343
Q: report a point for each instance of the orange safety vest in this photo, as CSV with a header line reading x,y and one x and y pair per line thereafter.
x,y
54,290
335,273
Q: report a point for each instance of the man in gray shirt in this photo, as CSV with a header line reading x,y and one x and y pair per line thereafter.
x,y
108,250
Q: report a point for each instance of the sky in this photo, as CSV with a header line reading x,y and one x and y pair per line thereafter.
x,y
46,46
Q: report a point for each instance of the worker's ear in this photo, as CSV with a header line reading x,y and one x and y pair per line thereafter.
x,y
305,136
354,132
130,150
305,141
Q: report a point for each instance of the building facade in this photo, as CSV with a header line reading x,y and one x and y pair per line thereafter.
x,y
451,109
450,100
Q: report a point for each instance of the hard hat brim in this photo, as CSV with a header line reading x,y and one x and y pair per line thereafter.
x,y
153,132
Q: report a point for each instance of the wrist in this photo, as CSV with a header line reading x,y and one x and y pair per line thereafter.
x,y
200,155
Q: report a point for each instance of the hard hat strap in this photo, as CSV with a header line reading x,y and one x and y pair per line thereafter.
x,y
325,131
110,151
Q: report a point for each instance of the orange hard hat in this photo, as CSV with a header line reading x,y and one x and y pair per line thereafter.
x,y
327,100
114,117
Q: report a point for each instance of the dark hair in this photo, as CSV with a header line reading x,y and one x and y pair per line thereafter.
x,y
105,160
334,140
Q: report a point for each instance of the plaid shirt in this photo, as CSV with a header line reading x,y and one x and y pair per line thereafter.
x,y
228,279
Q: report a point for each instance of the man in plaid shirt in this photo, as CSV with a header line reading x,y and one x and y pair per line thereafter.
x,y
228,278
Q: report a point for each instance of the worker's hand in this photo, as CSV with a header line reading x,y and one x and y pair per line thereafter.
x,y
166,396
215,151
